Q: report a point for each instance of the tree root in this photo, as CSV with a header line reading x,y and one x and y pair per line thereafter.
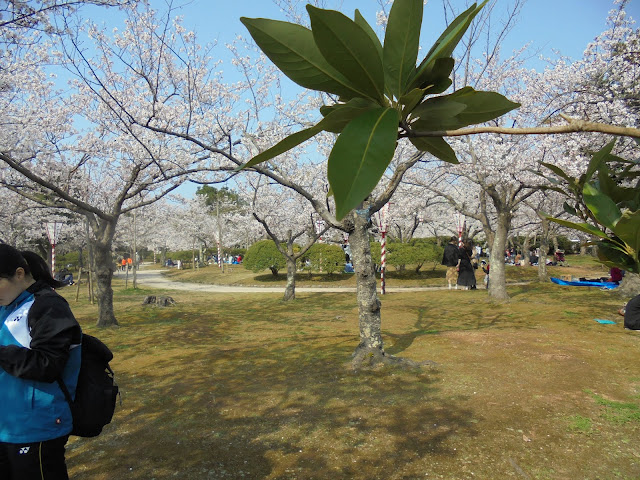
x,y
161,301
367,358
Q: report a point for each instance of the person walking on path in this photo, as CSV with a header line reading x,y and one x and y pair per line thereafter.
x,y
451,259
39,343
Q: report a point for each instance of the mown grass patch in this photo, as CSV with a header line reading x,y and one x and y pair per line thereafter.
x,y
233,386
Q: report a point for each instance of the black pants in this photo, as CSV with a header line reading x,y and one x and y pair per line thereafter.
x,y
34,461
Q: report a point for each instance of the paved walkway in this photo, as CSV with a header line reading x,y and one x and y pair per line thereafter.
x,y
155,279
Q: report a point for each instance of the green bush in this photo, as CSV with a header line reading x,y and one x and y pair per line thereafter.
x,y
70,258
326,258
262,255
416,253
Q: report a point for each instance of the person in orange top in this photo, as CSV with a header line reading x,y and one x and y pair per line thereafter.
x,y
124,264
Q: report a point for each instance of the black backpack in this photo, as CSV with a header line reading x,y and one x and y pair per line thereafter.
x,y
96,391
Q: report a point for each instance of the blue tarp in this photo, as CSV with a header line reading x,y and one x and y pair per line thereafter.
x,y
584,283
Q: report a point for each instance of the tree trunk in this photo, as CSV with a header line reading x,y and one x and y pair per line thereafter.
x,y
543,276
104,274
498,282
80,259
526,255
290,289
369,320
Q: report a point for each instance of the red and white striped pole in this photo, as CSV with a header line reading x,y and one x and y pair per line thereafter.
x,y
383,223
383,261
219,255
460,228
53,229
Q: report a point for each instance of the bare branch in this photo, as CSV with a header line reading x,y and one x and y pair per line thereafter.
x,y
574,126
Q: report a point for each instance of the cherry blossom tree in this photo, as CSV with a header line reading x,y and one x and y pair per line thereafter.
x,y
41,15
108,168
287,218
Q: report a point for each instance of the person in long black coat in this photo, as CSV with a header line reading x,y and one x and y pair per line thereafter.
x,y
466,274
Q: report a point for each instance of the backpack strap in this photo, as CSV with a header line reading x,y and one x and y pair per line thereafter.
x,y
65,391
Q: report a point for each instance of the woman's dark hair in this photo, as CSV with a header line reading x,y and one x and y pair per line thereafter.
x,y
33,264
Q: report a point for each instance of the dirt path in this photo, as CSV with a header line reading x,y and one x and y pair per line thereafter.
x,y
155,279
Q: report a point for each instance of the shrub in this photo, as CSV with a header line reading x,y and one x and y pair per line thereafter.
x,y
262,255
415,253
326,258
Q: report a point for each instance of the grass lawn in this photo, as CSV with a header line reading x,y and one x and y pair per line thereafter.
x,y
249,387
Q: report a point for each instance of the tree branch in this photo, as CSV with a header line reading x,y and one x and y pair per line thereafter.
x,y
574,126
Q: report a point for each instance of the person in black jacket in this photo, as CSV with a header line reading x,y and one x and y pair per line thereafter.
x,y
39,344
451,259
466,274
632,314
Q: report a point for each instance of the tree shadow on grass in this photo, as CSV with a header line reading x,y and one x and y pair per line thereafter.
x,y
305,279
430,323
202,407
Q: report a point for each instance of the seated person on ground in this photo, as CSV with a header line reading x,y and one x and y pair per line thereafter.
x,y
615,275
632,314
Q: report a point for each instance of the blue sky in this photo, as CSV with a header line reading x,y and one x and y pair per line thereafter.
x,y
566,25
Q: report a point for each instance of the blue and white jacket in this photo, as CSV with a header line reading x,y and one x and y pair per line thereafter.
x,y
39,342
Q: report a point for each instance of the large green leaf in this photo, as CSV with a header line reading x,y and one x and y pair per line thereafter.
x,y
614,254
558,171
339,115
292,49
335,119
362,23
349,49
628,230
401,43
583,227
598,159
284,145
569,209
437,113
436,146
438,78
446,43
438,82
360,156
410,100
479,107
603,208
624,197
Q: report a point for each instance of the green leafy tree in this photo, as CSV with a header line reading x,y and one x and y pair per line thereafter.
x,y
607,200
383,95
264,255
379,96
224,196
